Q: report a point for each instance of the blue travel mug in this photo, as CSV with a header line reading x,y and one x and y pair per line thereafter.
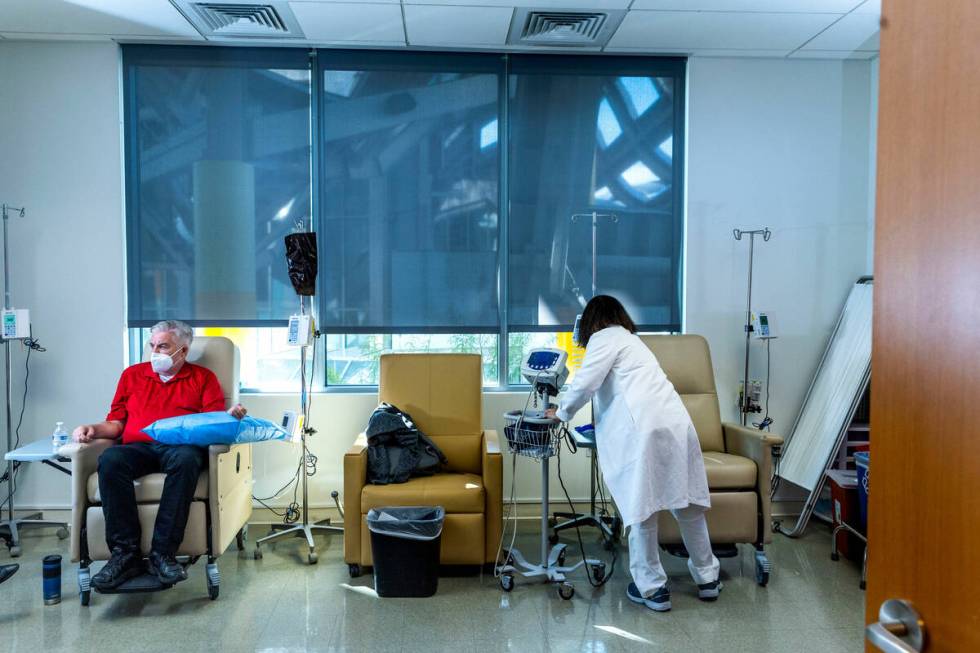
x,y
51,571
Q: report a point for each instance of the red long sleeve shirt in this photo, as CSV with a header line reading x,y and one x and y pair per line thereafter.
x,y
142,398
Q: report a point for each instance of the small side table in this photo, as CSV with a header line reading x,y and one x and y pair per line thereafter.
x,y
36,452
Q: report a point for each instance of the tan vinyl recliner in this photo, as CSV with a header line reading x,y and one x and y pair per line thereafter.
x,y
443,394
222,501
738,460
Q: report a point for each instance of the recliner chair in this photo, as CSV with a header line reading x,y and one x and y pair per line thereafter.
x,y
738,460
222,502
444,395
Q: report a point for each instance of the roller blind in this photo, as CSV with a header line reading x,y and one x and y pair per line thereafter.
x,y
606,137
218,171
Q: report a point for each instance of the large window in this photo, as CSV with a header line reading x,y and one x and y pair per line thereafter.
x,y
452,194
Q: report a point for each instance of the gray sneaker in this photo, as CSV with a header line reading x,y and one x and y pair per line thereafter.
x,y
660,601
709,591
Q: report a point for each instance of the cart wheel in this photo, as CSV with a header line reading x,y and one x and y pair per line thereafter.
x,y
762,568
566,590
85,597
258,553
553,539
62,533
311,558
507,582
15,552
354,570
240,540
599,572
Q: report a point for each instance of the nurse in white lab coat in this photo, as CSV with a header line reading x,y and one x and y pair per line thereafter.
x,y
648,449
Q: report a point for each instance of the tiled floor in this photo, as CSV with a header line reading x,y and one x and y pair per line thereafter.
x,y
280,604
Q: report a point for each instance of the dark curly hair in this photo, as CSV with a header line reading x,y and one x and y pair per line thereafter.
x,y
602,311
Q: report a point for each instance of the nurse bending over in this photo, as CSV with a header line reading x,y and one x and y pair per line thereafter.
x,y
649,452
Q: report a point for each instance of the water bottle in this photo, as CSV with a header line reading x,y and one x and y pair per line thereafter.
x,y
60,437
51,579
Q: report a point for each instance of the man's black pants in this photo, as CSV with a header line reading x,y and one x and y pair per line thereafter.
x,y
120,465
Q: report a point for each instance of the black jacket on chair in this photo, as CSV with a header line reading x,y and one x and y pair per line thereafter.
x,y
397,449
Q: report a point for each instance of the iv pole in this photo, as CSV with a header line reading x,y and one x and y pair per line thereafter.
x,y
745,404
609,527
306,527
11,523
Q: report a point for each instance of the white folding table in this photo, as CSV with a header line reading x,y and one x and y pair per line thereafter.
x,y
39,451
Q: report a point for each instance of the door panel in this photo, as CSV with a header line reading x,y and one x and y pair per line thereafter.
x,y
924,515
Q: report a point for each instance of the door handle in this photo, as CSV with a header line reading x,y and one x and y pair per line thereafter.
x,y
899,628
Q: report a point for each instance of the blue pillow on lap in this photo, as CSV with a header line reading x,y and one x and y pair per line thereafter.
x,y
204,429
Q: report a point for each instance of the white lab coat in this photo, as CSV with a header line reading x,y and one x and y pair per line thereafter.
x,y
648,449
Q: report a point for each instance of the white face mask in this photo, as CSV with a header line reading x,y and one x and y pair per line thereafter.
x,y
162,363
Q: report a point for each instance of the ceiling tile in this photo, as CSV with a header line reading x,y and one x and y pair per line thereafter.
x,y
439,25
655,30
833,54
773,6
852,32
368,2
869,7
95,17
539,4
350,22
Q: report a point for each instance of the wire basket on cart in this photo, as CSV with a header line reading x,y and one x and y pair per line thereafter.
x,y
531,436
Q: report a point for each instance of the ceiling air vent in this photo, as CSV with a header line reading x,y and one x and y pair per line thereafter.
x,y
551,27
225,19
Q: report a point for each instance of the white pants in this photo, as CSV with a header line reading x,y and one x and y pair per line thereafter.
x,y
648,573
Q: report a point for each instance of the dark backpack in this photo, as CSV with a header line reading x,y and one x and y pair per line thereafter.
x,y
397,449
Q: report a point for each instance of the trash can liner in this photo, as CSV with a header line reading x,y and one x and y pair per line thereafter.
x,y
408,522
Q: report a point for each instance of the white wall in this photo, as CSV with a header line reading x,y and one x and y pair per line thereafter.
x,y
776,143
782,144
60,158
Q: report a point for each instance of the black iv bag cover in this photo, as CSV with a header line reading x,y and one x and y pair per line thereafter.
x,y
301,259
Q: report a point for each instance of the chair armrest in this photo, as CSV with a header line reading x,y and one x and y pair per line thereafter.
x,y
757,446
229,492
751,443
84,462
493,487
355,477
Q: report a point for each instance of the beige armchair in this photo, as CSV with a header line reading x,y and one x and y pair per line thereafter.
x,y
222,501
738,460
444,394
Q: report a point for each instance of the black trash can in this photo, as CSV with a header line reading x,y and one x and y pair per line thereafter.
x,y
405,546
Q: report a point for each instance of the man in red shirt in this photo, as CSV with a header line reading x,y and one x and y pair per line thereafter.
x,y
166,386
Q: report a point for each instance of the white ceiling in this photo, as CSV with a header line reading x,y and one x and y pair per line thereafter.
x,y
821,29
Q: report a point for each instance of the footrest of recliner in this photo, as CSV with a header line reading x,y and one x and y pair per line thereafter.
x,y
138,585
719,550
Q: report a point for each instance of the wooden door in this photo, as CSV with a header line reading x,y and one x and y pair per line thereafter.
x,y
924,515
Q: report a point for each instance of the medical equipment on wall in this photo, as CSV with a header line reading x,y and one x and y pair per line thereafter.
x,y
745,404
16,324
761,326
532,434
301,260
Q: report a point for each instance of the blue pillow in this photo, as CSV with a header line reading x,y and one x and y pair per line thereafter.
x,y
204,429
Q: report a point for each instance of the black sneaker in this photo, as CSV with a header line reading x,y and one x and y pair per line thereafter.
x,y
166,568
6,571
709,591
122,566
660,601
